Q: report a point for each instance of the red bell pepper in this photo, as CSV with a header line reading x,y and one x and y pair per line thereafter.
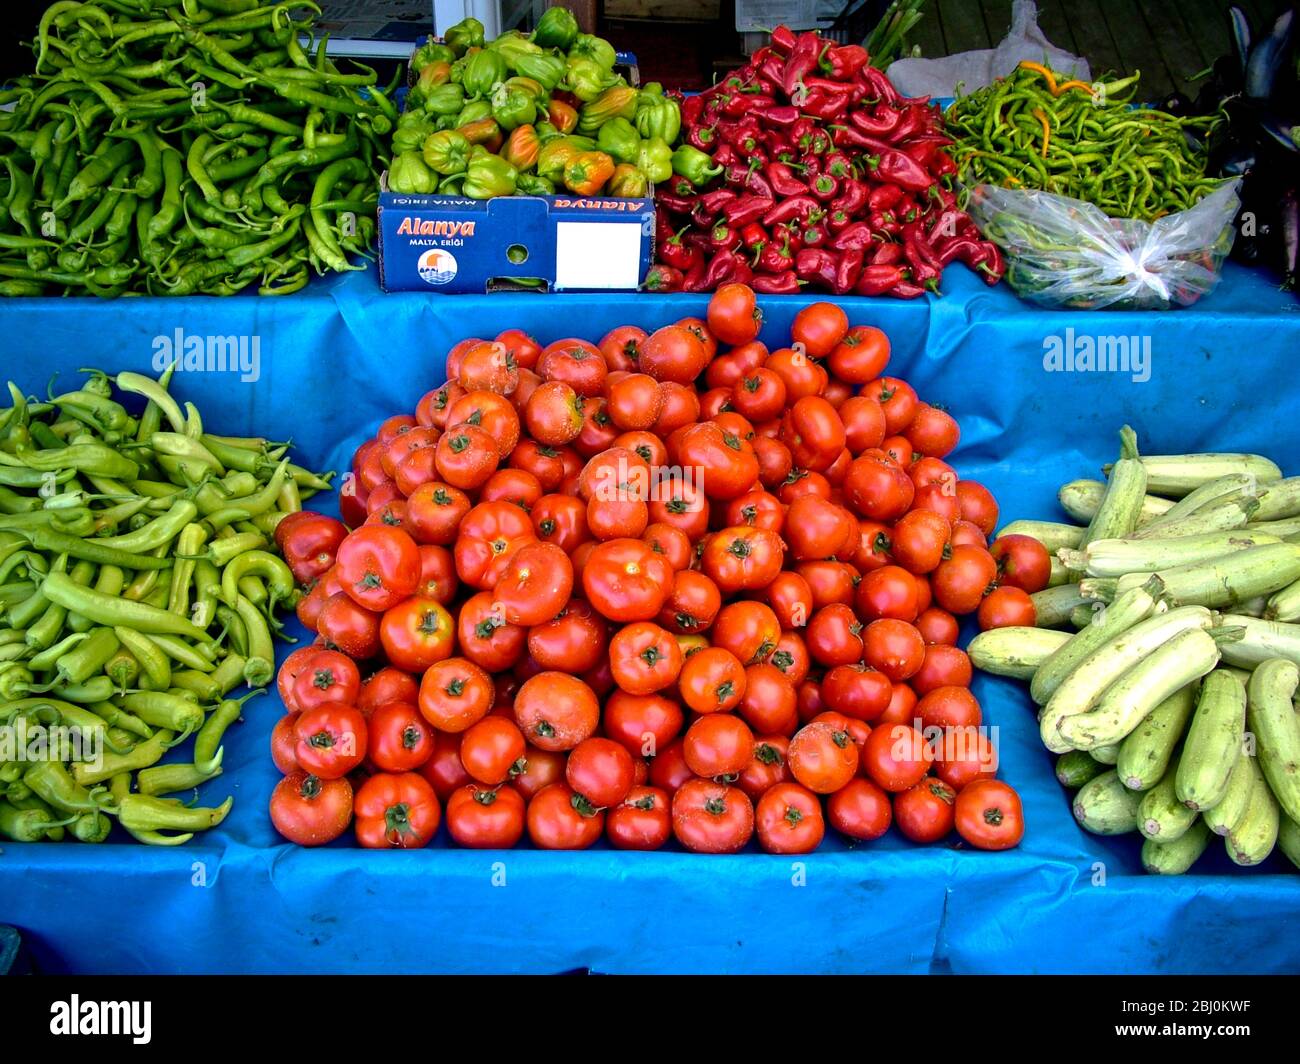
x,y
692,108
723,238
801,61
815,264
782,117
702,137
825,188
754,238
783,180
783,40
814,236
856,237
897,168
844,61
780,284
663,279
881,122
677,253
883,197
838,165
776,258
888,254
837,221
727,268
876,280
718,198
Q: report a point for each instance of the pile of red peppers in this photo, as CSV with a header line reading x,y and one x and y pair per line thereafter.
x,y
826,178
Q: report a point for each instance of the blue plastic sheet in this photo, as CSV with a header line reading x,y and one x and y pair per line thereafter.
x,y
340,356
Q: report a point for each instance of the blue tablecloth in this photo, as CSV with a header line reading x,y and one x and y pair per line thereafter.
x,y
340,356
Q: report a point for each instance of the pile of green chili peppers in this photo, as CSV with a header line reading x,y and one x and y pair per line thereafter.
x,y
139,584
186,146
1033,131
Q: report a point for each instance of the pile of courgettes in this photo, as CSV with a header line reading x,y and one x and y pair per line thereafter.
x,y
1167,654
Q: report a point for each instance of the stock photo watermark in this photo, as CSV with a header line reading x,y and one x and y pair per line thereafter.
x,y
209,353
23,741
1074,352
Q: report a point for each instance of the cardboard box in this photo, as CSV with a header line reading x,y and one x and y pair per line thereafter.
x,y
564,243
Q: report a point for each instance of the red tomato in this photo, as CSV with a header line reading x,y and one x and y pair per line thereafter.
x,y
1023,562
937,626
725,463
416,633
712,680
323,677
621,347
890,591
817,528
483,818
820,327
864,423
559,819
434,511
310,544
770,703
541,769
534,585
331,740
933,431
894,647
625,580
965,534
641,821
310,811
734,315
822,758
718,744
601,771
554,414
742,558
1005,607
943,666
455,694
492,750
556,711
920,539
925,812
835,636
520,347
978,505
876,487
486,637
562,520
692,604
490,535
789,820
634,401
857,691
902,706
644,658
961,580
643,724
861,356
768,767
859,810
399,739
711,817
963,755
989,816
813,431
378,566
283,742
896,756
673,353
575,362
573,642
897,398
672,543
396,811
830,582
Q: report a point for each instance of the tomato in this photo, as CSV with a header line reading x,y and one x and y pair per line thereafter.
x,y
902,706
1005,607
483,818
378,566
791,658
486,637
817,528
789,820
283,742
943,666
857,691
712,680
310,811
672,543
634,401
829,582
820,327
933,431
937,627
857,730
859,810
488,366
289,672
621,347
802,482
756,509
890,591
556,711
541,769
577,363
617,518
574,641
432,410
861,356
668,768
791,598
554,413
876,487
718,745
443,770
404,445
679,501
455,694
874,546
323,677
834,636
774,460
548,464
643,724
644,658
680,407
864,423
559,819
749,630
692,604
490,535
770,703
492,750
989,815
1023,562
822,758
562,520
961,579
724,462
742,558
598,429
534,585
626,581
925,812
416,633
399,740
963,755
434,511
466,455
734,315
331,740
309,546
920,538
396,811
759,395
521,347
894,647
601,771
641,821
516,486
768,767
896,756
965,534
438,579
673,353
813,431
711,817
898,400
978,505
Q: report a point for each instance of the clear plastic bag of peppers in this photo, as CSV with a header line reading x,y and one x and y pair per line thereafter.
x,y
807,169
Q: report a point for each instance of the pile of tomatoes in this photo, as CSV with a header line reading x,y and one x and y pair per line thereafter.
x,y
671,585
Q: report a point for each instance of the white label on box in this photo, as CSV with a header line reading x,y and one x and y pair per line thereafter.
x,y
754,15
597,254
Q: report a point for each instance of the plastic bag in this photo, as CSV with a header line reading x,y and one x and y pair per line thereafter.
x,y
974,70
1063,252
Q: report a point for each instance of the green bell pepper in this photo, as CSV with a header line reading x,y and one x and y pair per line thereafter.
x,y
546,70
585,78
513,106
488,176
452,185
513,46
597,49
409,136
532,185
557,28
409,176
472,112
445,100
446,152
618,101
466,34
628,182
619,138
655,159
431,52
485,71
694,165
658,116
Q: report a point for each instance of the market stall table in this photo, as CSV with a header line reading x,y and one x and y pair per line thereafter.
x,y
324,366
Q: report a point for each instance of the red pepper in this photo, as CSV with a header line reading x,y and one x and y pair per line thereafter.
x,y
877,84
783,180
674,203
782,117
703,137
776,258
677,253
856,237
987,259
726,155
907,290
694,281
743,177
781,284
876,280
885,222
697,239
746,210
692,108
893,166
837,221
718,198
848,271
815,264
941,165
802,61
814,236
888,254
854,197
914,120
663,279
837,164
916,246
843,136
829,107
947,224
959,247
727,268
883,197
724,238
812,166
801,207
844,61
783,40
754,237
825,188
790,234
881,122
702,217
